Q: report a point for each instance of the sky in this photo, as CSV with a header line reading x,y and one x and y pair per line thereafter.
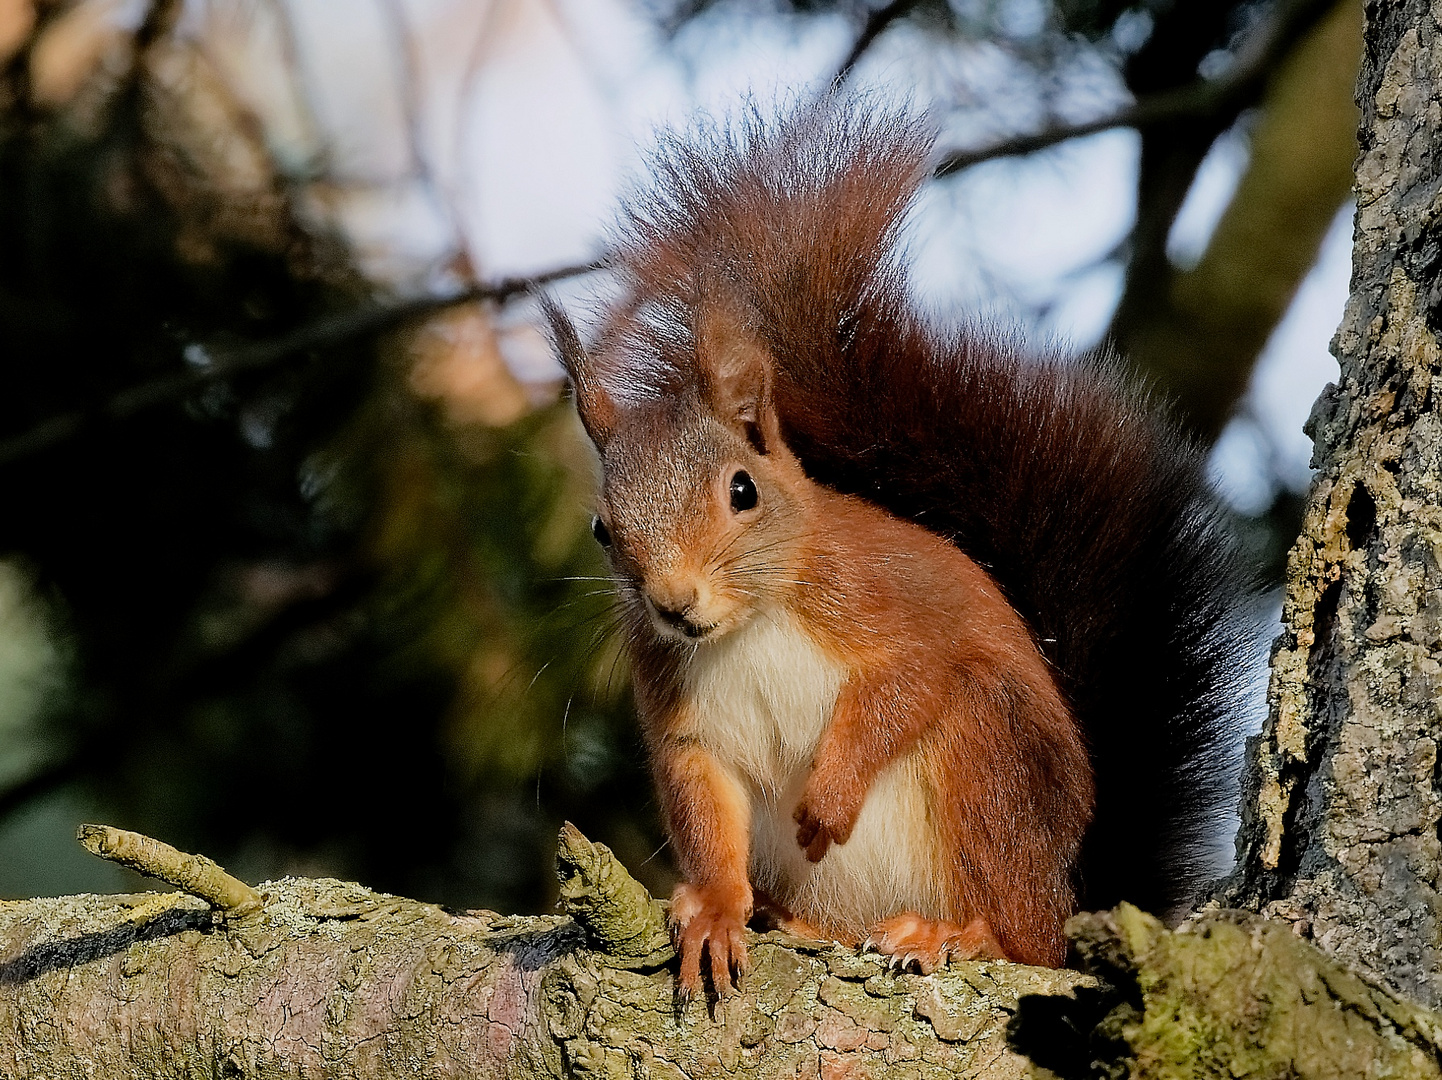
x,y
533,115
505,129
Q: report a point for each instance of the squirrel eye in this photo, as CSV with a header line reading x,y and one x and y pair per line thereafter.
x,y
743,492
600,532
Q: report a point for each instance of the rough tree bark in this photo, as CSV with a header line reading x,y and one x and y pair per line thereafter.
x,y
330,979
1341,816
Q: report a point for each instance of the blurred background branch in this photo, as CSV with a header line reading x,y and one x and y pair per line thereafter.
x,y
1197,332
295,565
876,25
226,362
1225,95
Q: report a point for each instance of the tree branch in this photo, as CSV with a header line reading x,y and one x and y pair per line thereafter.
x,y
1195,334
329,978
877,24
1204,97
222,363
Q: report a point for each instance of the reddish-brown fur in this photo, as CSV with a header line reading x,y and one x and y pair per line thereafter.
x,y
944,661
938,664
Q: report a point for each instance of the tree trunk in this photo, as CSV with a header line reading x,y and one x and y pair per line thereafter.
x,y
1342,807
1197,333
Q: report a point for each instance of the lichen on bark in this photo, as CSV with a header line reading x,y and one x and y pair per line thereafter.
x,y
1340,829
329,979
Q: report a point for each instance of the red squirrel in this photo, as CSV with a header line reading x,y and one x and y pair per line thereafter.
x,y
932,641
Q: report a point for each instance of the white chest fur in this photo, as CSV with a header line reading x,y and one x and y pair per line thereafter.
x,y
760,699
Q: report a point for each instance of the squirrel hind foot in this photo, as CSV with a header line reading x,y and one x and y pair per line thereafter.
x,y
912,941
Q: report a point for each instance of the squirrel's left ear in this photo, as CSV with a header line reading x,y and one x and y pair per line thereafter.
x,y
736,372
597,409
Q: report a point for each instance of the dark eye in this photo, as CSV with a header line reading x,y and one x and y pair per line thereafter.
x,y
743,492
600,532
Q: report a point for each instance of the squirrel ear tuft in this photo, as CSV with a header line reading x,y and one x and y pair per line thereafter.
x,y
597,409
736,372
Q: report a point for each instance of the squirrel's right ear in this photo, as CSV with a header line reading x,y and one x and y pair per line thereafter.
x,y
597,409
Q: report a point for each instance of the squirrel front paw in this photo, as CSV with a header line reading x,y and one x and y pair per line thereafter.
x,y
822,821
707,921
829,806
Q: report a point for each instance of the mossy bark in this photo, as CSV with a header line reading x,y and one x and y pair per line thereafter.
x,y
1340,827
1230,995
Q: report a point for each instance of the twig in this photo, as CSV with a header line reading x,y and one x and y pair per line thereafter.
x,y
462,176
876,25
299,82
408,86
408,92
1204,97
160,18
226,362
1199,99
195,874
684,12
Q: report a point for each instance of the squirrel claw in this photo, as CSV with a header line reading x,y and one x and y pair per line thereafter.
x,y
911,941
815,836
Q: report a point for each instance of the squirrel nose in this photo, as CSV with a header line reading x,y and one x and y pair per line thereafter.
x,y
680,618
676,608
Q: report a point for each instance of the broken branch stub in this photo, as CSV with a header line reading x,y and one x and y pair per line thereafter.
x,y
620,917
194,874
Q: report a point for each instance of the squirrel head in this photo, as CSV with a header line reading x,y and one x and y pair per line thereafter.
x,y
703,508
